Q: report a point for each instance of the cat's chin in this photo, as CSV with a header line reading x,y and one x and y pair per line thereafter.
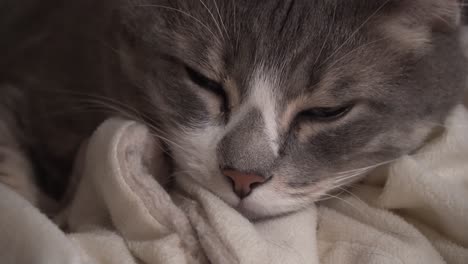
x,y
265,202
257,212
252,215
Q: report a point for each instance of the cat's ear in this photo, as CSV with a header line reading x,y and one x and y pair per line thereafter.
x,y
437,14
413,22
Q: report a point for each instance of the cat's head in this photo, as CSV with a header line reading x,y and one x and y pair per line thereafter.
x,y
270,104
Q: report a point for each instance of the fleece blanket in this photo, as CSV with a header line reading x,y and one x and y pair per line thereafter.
x,y
414,210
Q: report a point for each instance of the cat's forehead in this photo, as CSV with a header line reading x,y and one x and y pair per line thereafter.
x,y
300,45
271,33
292,43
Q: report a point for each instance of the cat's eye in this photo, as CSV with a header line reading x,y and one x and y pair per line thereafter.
x,y
209,85
325,114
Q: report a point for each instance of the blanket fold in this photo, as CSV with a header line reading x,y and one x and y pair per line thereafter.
x,y
414,210
418,214
122,179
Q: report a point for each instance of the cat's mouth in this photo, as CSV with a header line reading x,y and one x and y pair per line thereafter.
x,y
246,209
273,198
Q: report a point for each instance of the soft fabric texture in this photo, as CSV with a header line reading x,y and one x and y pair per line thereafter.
x,y
121,214
412,211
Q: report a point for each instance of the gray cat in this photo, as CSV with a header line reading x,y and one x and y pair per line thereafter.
x,y
269,104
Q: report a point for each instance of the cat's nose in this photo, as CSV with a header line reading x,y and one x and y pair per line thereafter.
x,y
244,183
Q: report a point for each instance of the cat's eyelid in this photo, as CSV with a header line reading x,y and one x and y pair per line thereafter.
x,y
202,80
205,72
210,85
326,114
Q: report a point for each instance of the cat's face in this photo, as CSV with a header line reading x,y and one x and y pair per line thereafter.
x,y
270,104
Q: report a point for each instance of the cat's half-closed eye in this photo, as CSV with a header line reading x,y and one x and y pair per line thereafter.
x,y
325,114
210,85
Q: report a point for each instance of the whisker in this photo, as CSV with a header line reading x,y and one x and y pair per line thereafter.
x,y
214,19
102,103
368,167
344,180
182,12
153,130
361,212
355,32
221,18
165,139
237,26
325,42
366,45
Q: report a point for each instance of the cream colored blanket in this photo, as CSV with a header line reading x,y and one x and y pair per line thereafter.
x,y
413,211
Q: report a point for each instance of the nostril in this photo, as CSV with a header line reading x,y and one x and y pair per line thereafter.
x,y
231,180
255,185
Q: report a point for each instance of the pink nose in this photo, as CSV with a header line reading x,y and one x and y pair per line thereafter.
x,y
243,183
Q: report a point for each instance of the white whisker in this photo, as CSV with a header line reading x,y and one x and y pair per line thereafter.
x,y
214,19
325,42
221,18
366,45
355,32
184,13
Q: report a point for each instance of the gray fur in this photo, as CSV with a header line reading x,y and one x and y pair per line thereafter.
x,y
398,61
244,148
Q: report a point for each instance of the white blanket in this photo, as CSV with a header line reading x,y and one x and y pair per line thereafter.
x,y
413,211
